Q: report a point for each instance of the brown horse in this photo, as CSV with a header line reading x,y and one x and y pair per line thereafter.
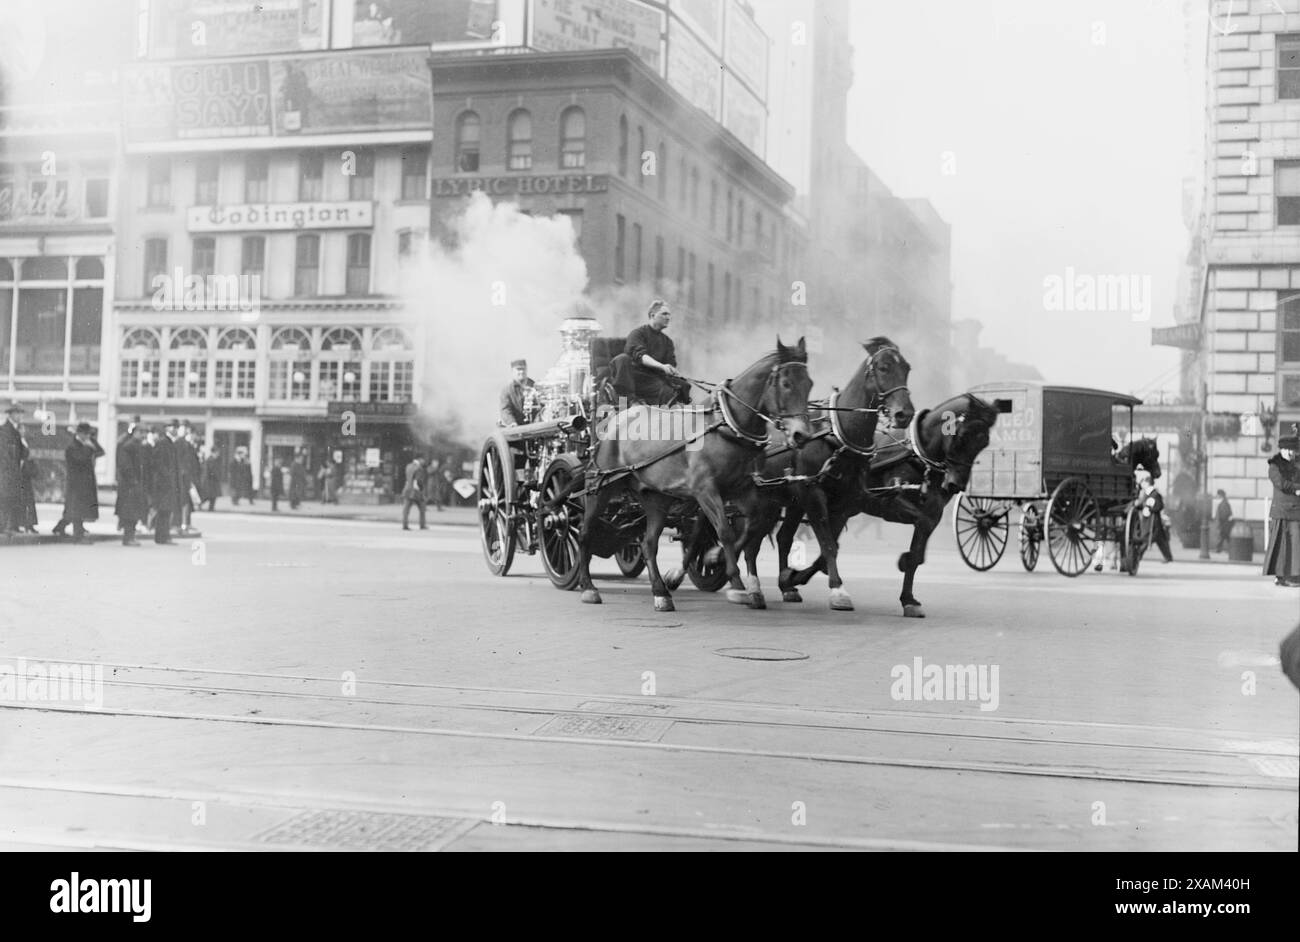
x,y
814,475
707,456
909,480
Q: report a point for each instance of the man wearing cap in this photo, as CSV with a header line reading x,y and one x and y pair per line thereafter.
x,y
1153,512
512,397
646,370
1282,559
132,474
164,484
13,452
81,493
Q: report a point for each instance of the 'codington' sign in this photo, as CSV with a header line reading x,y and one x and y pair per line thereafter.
x,y
259,216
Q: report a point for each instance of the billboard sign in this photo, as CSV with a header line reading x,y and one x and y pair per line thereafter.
x,y
694,71
703,16
189,29
747,49
573,25
744,115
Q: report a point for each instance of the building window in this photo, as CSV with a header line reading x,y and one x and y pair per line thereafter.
x,y
695,192
681,273
622,145
519,141
709,296
682,181
726,296
575,220
311,177
87,319
740,223
340,365
1290,398
358,264
659,261
640,156
96,205
758,230
253,255
690,281
662,170
206,174
392,366
306,275
713,205
573,139
236,365
159,195
739,297
1287,187
1288,66
410,241
731,207
187,364
415,163
620,248
257,169
203,260
467,142
1289,324
290,365
155,263
141,364
636,251
361,185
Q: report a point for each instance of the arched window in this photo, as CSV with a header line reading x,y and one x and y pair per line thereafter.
x,y
392,366
622,145
340,365
467,142
640,156
573,139
187,364
87,269
519,141
235,373
662,169
291,365
141,363
6,270
45,268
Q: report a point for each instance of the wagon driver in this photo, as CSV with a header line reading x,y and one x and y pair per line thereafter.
x,y
647,369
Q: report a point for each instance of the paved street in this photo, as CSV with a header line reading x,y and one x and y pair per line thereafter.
x,y
324,683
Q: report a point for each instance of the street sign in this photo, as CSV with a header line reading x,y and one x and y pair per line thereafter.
x,y
1250,424
1185,336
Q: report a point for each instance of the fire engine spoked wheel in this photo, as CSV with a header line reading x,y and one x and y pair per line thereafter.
x,y
496,499
560,521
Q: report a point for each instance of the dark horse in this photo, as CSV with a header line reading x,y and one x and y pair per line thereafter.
x,y
707,456
909,480
813,477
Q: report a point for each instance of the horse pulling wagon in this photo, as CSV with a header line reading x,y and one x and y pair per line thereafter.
x,y
1054,457
530,476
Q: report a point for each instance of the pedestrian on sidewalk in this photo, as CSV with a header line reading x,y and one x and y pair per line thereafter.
x,y
1153,512
164,478
329,487
241,477
81,493
13,452
276,476
31,477
446,490
211,488
1282,559
1223,518
190,473
132,494
414,492
297,482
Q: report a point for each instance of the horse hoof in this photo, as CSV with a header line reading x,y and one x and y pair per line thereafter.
x,y
664,604
791,595
738,596
841,601
756,600
591,597
673,579
913,611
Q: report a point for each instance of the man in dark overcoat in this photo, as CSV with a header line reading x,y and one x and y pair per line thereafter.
x,y
191,472
211,488
13,452
132,483
415,492
164,485
1282,557
81,492
241,478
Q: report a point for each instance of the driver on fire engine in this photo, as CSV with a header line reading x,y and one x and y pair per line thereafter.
x,y
514,395
647,369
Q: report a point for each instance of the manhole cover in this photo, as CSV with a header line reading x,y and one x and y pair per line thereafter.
x,y
597,726
362,830
642,621
762,654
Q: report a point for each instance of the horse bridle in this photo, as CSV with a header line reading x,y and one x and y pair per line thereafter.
x,y
870,372
725,391
873,405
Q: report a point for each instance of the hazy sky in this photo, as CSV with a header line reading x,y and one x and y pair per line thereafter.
x,y
1067,130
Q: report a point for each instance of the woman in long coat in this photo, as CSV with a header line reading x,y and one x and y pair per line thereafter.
x,y
81,494
1283,556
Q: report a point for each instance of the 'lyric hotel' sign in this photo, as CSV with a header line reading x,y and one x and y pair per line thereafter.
x,y
522,186
269,216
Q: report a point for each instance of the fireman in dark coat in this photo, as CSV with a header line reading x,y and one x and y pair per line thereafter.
x,y
646,370
132,483
13,453
1282,558
81,493
164,485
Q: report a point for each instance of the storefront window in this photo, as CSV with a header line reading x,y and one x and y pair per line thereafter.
x,y
187,365
235,371
38,340
290,366
392,366
141,365
340,367
87,325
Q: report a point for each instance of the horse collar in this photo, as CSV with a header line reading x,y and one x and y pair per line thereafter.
x,y
839,431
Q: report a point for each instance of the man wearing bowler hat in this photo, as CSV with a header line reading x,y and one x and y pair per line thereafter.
x,y
13,452
81,493
164,484
132,476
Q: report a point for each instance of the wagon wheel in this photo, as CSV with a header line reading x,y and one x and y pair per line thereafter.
x,y
981,527
708,577
1073,518
560,520
630,559
496,497
1031,536
1137,539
